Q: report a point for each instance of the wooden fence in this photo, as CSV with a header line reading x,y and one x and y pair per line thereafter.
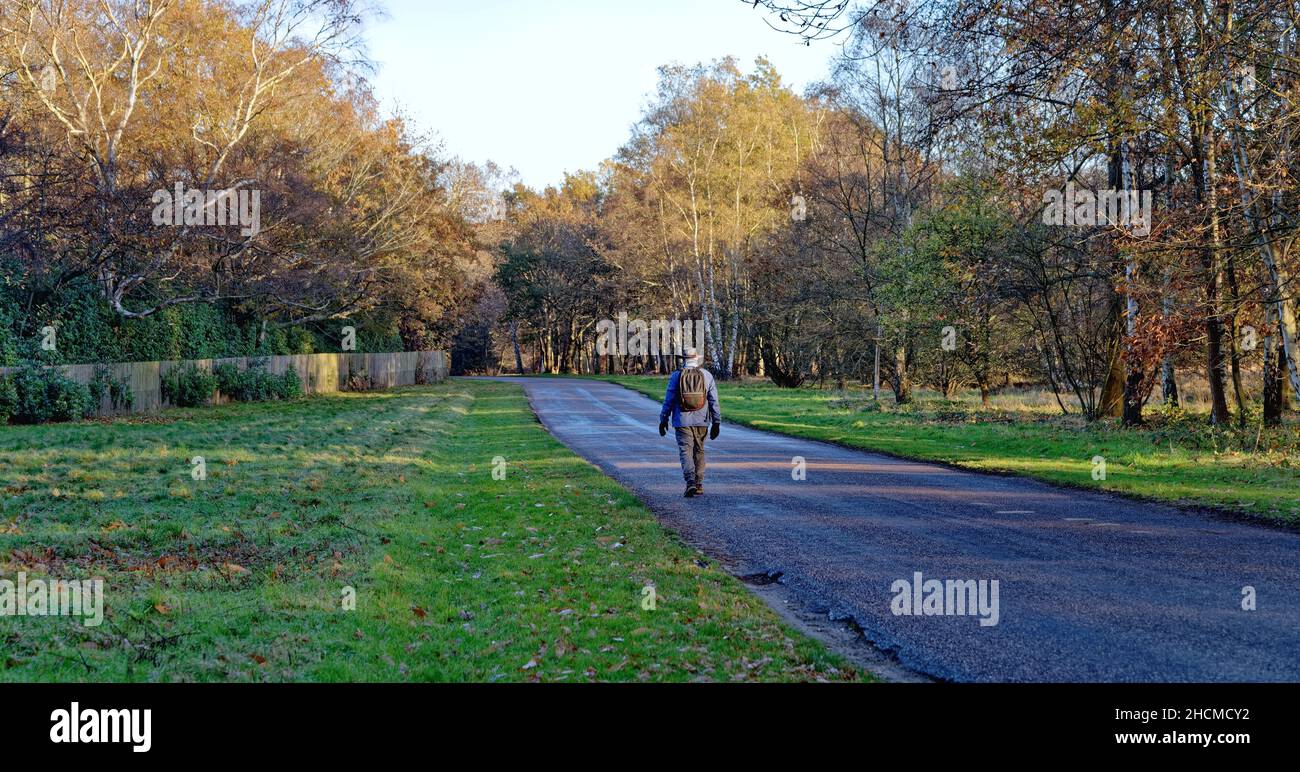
x,y
320,373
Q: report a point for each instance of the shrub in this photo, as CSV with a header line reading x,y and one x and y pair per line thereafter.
x,y
8,399
257,385
227,375
188,386
289,385
46,395
119,393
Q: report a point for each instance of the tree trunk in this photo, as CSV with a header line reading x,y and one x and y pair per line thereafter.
x,y
514,342
1234,333
1111,402
902,378
1214,364
1274,374
1168,382
1168,379
1132,413
875,382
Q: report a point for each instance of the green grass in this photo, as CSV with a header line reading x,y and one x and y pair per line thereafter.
x,y
458,576
1178,459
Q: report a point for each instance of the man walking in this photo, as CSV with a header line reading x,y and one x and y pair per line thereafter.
x,y
692,403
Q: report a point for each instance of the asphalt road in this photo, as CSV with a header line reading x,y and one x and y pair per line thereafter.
x,y
1091,587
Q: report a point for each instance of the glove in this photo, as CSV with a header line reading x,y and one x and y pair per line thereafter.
x,y
663,428
713,431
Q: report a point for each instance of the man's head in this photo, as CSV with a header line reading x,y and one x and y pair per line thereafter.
x,y
691,357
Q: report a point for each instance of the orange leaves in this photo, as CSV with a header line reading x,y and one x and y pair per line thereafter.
x,y
231,570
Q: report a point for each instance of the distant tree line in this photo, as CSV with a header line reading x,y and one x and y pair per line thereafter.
x,y
1098,198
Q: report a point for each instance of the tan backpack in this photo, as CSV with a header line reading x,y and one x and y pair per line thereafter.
x,y
692,389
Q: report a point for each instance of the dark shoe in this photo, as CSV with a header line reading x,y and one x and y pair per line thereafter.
x,y
690,491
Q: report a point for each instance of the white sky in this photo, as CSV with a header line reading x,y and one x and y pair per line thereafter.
x,y
549,86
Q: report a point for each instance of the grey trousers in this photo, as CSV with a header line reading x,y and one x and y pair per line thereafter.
x,y
690,448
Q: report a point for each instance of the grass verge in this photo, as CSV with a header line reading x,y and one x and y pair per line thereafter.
x,y
244,575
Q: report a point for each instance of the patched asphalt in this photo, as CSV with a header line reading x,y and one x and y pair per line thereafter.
x,y
1091,587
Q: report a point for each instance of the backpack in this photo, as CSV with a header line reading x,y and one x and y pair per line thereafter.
x,y
692,389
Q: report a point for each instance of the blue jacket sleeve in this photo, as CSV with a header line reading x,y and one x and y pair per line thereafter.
x,y
715,412
670,397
